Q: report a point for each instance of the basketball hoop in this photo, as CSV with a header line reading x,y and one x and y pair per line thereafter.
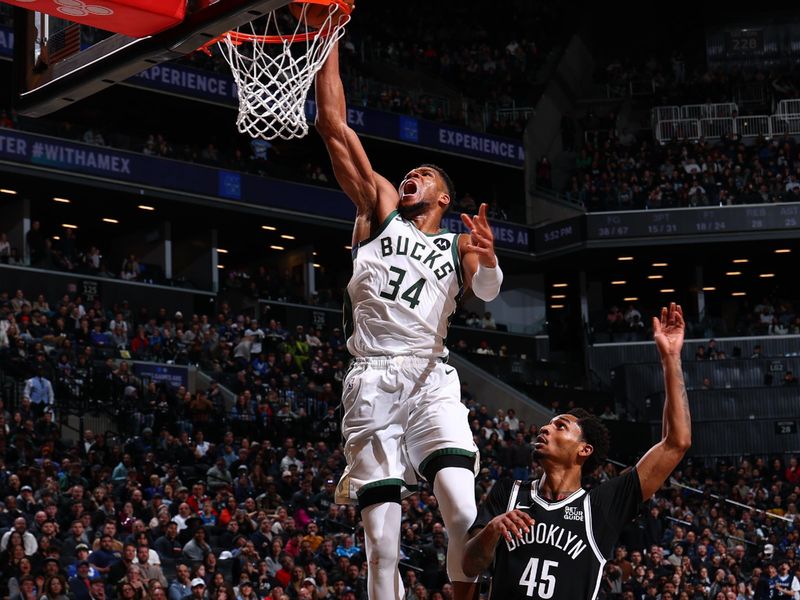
x,y
273,71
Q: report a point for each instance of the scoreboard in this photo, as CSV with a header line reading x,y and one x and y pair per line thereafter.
x,y
693,221
662,225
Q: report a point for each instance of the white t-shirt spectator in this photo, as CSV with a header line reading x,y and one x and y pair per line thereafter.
x,y
257,335
513,423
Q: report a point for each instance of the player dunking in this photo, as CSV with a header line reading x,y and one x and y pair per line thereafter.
x,y
549,538
403,413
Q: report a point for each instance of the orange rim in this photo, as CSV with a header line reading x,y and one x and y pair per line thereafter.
x,y
238,38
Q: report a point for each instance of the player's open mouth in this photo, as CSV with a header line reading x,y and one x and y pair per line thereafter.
x,y
409,188
540,440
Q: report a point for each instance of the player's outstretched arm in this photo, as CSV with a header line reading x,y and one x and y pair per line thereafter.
x,y
479,550
655,466
481,269
351,166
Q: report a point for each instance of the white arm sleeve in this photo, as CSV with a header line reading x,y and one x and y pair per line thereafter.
x,y
486,282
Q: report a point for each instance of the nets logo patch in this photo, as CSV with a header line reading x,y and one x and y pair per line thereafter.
x,y
571,513
442,243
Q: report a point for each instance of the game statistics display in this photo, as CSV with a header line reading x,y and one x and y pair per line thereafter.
x,y
693,221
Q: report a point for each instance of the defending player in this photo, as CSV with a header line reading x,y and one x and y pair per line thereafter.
x,y
403,412
549,538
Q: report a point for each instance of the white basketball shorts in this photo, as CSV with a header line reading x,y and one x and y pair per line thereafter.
x,y
399,413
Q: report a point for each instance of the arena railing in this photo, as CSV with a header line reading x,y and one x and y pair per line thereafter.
x,y
681,129
788,107
664,113
709,111
605,357
749,127
754,126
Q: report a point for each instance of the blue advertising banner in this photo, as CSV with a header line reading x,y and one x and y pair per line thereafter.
x,y
197,84
120,166
506,235
173,375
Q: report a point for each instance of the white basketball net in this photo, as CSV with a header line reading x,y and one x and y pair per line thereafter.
x,y
273,79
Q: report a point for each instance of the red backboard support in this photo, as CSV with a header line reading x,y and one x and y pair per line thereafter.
x,y
42,87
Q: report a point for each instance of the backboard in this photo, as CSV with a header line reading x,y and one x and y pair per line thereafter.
x,y
58,61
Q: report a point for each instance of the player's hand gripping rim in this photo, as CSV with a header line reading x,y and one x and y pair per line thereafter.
x,y
481,237
513,524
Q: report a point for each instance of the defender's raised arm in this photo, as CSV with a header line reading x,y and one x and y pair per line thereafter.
x,y
655,466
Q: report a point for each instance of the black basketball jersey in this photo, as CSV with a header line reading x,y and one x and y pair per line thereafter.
x,y
563,555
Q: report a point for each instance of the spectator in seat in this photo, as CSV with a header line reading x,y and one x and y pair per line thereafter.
x,y
197,548
181,587
29,542
632,316
473,320
488,321
544,173
130,268
485,349
35,241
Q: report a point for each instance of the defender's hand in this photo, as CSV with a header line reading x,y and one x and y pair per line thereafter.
x,y
481,237
668,331
514,523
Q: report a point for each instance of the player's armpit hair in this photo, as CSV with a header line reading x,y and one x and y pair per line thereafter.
x,y
451,188
596,434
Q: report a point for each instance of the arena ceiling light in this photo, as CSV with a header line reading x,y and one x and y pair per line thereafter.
x,y
286,236
655,277
110,220
557,306
222,251
741,261
146,207
560,285
69,226
317,266
220,266
660,264
710,289
667,291
783,251
631,299
766,275
739,294
8,191
733,273
619,282
277,248
558,296
269,228
624,258
348,247
62,200
56,237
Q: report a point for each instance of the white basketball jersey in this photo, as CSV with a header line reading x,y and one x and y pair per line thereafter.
x,y
404,288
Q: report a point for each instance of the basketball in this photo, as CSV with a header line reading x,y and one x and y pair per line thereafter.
x,y
315,14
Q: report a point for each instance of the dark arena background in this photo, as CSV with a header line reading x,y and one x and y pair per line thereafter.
x,y
171,342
